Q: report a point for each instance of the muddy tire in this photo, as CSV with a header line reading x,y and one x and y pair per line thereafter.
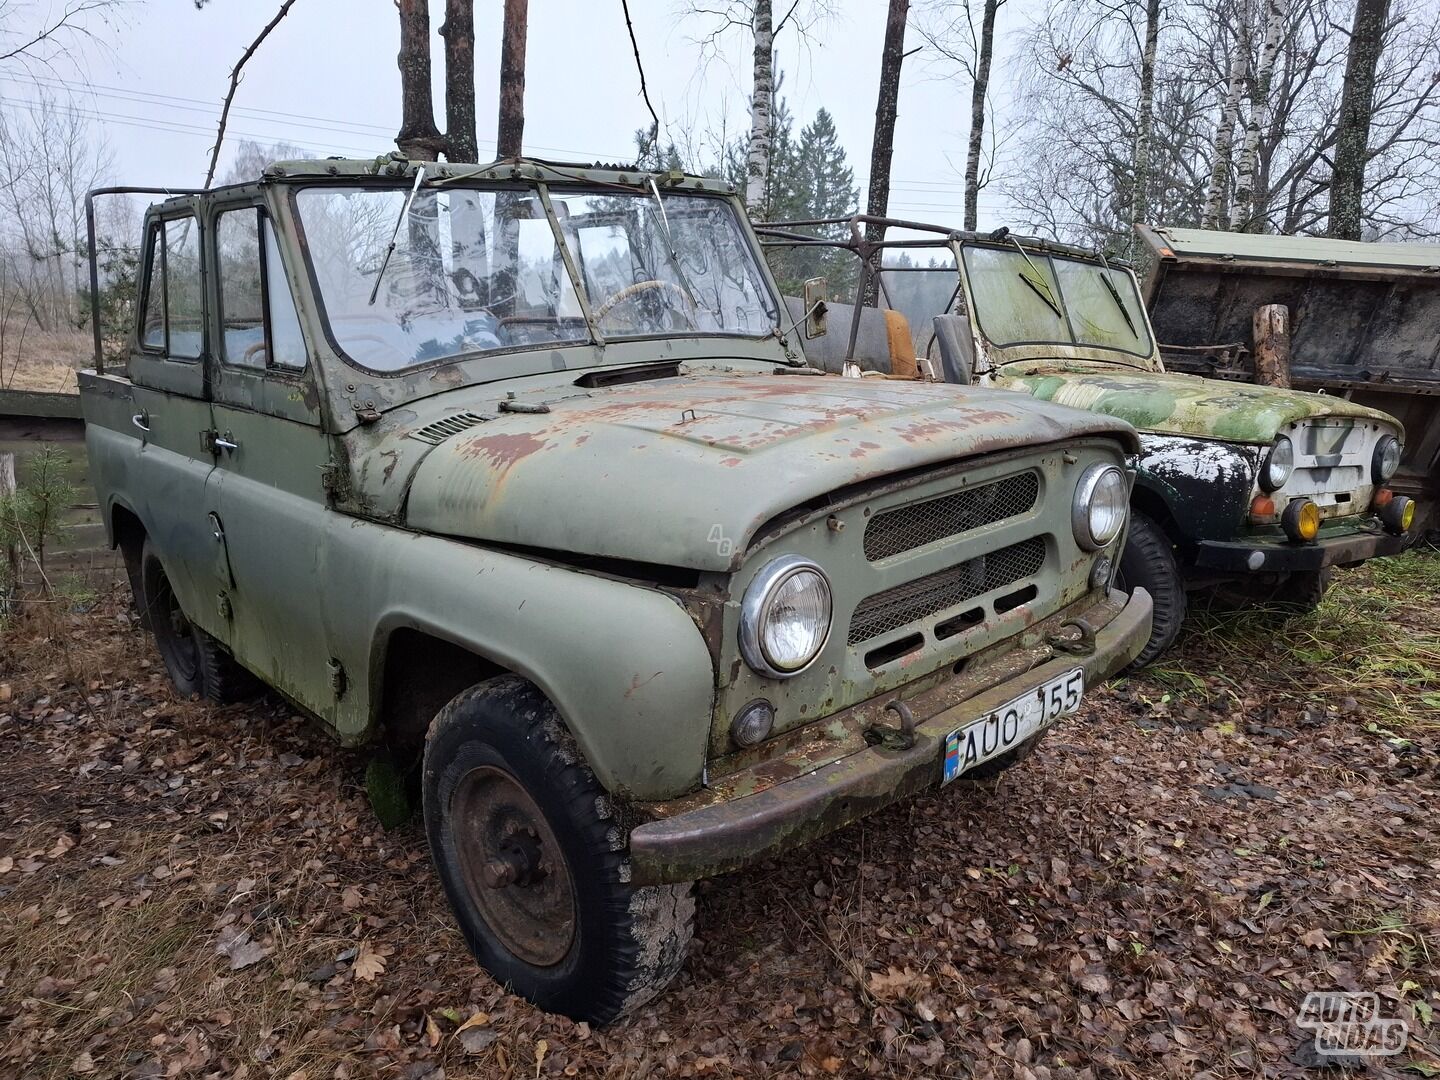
x,y
1148,562
533,861
197,664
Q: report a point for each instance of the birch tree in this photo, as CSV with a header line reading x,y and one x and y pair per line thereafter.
x,y
1145,125
958,41
1217,193
1247,212
754,20
762,102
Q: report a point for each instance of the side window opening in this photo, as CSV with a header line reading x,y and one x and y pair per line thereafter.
x,y
259,325
152,326
184,307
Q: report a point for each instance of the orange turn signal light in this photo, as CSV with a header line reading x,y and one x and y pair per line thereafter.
x,y
1262,508
1383,497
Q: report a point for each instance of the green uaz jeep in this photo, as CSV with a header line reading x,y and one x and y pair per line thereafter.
x,y
518,469
1236,484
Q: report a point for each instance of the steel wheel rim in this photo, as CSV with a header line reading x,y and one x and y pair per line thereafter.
x,y
512,866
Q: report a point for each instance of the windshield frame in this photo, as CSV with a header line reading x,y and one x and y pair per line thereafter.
x,y
1050,258
595,337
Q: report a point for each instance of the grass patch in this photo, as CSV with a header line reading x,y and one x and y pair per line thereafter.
x,y
1374,638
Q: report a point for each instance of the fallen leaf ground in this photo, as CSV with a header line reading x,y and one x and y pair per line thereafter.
x,y
203,892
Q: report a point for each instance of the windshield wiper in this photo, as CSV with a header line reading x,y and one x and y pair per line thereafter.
x,y
670,245
1115,295
1038,282
395,232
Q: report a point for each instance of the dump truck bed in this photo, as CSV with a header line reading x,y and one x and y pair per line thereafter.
x,y
1364,323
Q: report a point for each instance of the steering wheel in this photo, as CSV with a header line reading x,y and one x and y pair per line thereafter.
x,y
257,349
631,291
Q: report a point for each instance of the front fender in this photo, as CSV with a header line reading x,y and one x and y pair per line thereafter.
x,y
624,664
1205,485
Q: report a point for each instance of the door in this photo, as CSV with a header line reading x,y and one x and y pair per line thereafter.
x,y
172,413
270,507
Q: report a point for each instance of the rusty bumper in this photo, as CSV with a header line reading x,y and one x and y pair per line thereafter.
x,y
1282,556
723,836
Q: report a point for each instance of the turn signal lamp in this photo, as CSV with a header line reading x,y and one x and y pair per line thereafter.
x,y
1383,497
1301,520
1262,509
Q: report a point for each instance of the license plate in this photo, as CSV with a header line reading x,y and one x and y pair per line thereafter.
x,y
1011,724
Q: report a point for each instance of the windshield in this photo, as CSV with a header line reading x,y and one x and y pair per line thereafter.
x,y
1029,297
477,271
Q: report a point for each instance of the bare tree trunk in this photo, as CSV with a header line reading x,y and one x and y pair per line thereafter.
x,y
1219,189
877,202
1145,119
11,589
762,111
977,114
419,138
510,130
458,30
1247,212
1347,182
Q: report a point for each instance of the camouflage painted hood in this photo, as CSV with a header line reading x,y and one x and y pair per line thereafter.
x,y
683,471
1171,404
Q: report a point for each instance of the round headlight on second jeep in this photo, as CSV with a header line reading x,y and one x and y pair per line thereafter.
x,y
1279,464
1386,460
785,617
1098,512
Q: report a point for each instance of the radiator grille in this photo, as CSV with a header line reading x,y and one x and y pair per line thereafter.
x,y
919,599
440,430
909,527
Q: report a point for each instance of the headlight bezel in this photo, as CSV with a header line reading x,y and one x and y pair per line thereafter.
x,y
754,609
1082,505
1378,474
1267,482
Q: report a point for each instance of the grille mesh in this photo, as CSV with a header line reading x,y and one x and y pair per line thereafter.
x,y
908,527
440,430
919,599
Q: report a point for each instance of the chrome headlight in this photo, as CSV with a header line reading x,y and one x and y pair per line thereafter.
x,y
1279,464
785,617
1098,512
1386,459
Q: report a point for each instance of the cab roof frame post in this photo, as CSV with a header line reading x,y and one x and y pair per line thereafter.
x,y
94,261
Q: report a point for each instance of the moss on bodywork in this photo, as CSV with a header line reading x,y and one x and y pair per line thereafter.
x,y
1176,404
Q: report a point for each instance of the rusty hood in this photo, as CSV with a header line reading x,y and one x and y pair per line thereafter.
x,y
683,471
1172,404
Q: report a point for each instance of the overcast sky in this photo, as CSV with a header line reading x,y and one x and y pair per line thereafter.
x,y
326,80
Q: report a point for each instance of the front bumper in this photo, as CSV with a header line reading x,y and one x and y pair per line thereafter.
x,y
702,836
1279,555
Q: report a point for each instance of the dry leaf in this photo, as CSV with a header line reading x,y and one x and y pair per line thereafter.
x,y
832,1065
541,1049
1096,984
83,1063
432,1031
475,1021
1316,939
246,954
476,1039
370,962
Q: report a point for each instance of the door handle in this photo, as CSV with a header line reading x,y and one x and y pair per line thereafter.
x,y
222,443
141,421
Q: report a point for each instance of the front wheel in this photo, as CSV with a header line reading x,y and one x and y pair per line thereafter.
x,y
533,860
1148,562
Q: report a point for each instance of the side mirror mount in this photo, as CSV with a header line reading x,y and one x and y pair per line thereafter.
x,y
816,307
